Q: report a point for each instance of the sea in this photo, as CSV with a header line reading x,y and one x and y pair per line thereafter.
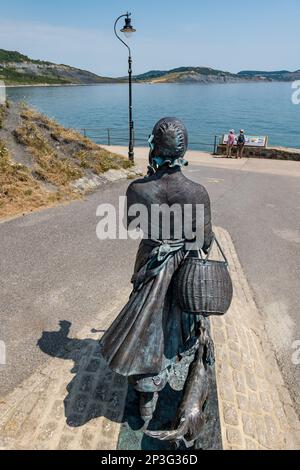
x,y
209,111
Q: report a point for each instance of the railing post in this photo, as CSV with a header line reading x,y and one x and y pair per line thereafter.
x,y
215,145
108,137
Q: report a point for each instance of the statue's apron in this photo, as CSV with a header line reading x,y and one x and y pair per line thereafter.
x,y
151,331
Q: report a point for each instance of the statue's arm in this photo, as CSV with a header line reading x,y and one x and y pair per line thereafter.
x,y
131,198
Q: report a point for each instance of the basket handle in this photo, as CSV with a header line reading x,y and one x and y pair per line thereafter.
x,y
214,239
200,256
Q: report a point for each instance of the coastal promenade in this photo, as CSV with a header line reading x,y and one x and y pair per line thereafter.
x,y
57,300
76,402
200,158
257,201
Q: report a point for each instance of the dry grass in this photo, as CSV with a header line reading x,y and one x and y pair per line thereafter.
x,y
3,111
2,115
88,154
69,136
49,167
61,156
100,161
57,132
19,192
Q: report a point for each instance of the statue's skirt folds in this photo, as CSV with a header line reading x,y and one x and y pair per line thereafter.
x,y
151,332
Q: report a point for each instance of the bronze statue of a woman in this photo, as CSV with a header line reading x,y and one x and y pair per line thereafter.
x,y
152,341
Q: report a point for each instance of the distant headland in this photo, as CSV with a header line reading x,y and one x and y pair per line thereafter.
x,y
17,69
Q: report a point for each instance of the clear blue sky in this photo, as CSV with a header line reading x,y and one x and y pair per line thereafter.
x,y
230,35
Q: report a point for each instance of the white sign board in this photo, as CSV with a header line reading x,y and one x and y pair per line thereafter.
x,y
250,140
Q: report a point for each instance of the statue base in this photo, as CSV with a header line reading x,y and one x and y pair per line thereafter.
x,y
132,436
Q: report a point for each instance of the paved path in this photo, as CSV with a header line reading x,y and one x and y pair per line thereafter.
x,y
258,202
53,268
75,402
256,409
195,157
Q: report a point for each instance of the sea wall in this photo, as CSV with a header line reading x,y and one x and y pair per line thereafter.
x,y
274,153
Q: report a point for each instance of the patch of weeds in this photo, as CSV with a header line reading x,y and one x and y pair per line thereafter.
x,y
2,115
49,166
19,192
72,144
100,160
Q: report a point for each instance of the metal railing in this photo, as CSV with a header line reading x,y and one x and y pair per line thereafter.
x,y
119,136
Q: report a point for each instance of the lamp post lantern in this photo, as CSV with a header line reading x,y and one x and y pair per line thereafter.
x,y
128,30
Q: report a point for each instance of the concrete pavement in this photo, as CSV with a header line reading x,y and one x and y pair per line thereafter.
x,y
258,202
53,267
82,408
199,158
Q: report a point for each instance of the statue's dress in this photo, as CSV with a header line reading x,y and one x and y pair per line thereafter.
x,y
151,331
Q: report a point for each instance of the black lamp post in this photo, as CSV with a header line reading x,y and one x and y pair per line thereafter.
x,y
128,30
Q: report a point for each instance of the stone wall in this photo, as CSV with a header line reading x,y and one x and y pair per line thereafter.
x,y
274,153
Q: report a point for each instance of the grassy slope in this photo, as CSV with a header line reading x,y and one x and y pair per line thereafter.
x,y
280,75
179,74
182,74
59,75
60,157
52,77
14,56
19,191
2,115
11,77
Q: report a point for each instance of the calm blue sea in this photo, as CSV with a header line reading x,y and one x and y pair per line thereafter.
x,y
207,110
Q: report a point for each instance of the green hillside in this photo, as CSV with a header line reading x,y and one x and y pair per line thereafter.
x,y
278,76
189,74
19,69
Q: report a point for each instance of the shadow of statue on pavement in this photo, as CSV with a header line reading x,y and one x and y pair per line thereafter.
x,y
95,390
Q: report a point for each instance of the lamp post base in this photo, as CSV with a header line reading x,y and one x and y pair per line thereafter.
x,y
131,155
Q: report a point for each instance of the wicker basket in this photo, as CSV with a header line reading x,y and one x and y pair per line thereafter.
x,y
204,286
